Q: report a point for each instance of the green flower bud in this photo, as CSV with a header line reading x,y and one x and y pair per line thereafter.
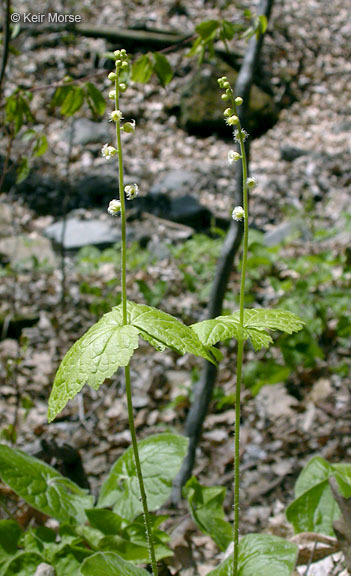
x,y
228,112
112,76
238,101
225,97
129,127
123,87
125,65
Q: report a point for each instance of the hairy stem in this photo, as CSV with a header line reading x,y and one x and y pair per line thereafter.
x,y
240,354
151,548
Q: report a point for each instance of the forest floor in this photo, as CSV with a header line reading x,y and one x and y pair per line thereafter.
x,y
307,55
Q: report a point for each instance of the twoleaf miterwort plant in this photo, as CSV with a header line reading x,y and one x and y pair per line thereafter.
x,y
111,342
245,324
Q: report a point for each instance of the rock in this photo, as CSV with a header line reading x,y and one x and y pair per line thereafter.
x,y
43,194
175,181
86,131
282,232
201,107
89,232
12,326
27,251
290,153
44,570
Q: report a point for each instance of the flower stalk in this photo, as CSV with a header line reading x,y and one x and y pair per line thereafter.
x,y
239,214
120,206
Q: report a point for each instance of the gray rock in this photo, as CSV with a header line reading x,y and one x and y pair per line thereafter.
x,y
6,219
290,153
27,251
175,181
282,232
79,233
88,132
45,570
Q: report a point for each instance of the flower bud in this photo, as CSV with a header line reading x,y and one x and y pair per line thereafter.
x,y
114,207
228,112
129,127
112,94
123,87
232,120
233,156
238,213
112,76
117,54
251,182
238,101
125,65
225,97
226,85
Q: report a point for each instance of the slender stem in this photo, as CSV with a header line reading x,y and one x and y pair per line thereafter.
x,y
149,538
139,474
240,354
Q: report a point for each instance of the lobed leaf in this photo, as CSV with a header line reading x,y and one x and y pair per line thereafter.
x,y
162,68
161,457
157,326
42,486
256,322
96,100
93,358
261,554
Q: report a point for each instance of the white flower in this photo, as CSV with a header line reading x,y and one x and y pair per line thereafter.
x,y
251,182
244,135
114,207
131,191
233,156
108,151
115,116
112,94
238,213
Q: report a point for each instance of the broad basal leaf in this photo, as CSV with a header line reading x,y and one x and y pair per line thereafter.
x,y
256,322
206,507
261,555
43,487
109,564
161,457
315,508
93,358
155,325
23,564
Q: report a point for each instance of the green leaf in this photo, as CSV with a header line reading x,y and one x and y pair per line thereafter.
x,y
153,324
73,101
109,564
256,321
261,319
142,69
68,559
206,507
261,554
263,23
259,374
23,169
24,564
42,487
315,509
162,68
207,29
161,457
93,358
40,146
96,99
10,533
106,521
